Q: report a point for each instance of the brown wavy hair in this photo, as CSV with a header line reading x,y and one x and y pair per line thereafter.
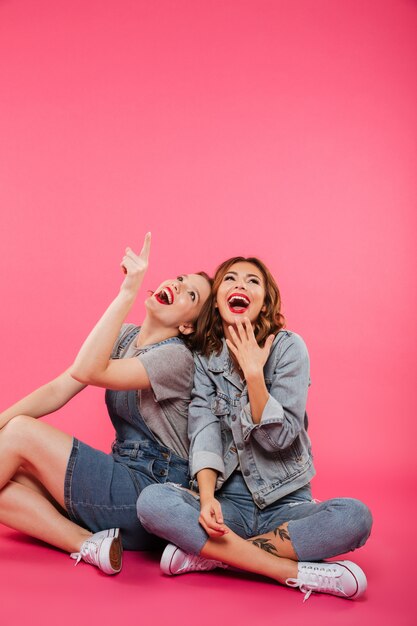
x,y
209,331
193,341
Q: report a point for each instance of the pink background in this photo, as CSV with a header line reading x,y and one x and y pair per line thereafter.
x,y
281,129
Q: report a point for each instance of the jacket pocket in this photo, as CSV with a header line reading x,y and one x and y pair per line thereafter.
x,y
220,406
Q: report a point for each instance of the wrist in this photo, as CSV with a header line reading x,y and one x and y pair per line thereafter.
x,y
254,375
206,494
127,295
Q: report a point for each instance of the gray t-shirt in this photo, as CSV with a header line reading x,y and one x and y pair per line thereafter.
x,y
164,407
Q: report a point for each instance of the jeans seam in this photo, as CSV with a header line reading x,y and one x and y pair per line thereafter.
x,y
68,479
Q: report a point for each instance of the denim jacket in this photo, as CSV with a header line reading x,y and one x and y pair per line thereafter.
x,y
273,456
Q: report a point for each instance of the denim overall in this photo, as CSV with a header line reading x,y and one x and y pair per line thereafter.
x,y
101,489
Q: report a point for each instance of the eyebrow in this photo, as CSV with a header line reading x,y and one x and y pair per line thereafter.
x,y
246,275
192,287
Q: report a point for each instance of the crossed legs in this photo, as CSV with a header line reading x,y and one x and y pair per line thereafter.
x,y
312,531
33,461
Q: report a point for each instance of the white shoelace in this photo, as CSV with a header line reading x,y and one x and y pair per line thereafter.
x,y
319,579
200,563
85,552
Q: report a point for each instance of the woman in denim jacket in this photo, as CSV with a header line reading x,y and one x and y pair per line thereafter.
x,y
249,444
72,496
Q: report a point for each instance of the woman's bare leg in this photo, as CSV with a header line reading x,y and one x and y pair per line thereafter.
x,y
39,449
26,479
276,542
33,462
244,554
28,511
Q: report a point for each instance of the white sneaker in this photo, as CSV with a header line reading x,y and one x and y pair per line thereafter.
x,y
174,561
103,549
339,578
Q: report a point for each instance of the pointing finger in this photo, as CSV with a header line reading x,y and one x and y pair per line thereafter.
x,y
146,248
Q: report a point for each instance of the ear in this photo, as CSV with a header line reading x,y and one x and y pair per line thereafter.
x,y
263,308
215,304
186,329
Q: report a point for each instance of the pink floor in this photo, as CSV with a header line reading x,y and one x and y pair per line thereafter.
x,y
40,585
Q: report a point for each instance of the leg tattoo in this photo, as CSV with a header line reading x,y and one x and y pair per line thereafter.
x,y
276,542
266,545
282,532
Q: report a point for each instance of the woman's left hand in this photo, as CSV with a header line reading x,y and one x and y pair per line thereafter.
x,y
250,356
135,266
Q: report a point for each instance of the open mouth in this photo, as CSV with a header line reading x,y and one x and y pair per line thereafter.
x,y
238,303
165,296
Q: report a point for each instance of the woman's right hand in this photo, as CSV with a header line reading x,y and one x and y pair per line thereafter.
x,y
135,266
211,518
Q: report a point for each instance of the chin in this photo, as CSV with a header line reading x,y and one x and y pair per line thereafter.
x,y
150,304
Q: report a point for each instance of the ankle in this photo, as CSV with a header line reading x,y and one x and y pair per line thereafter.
x,y
287,569
83,535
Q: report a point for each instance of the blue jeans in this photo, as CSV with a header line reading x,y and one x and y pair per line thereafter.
x,y
317,530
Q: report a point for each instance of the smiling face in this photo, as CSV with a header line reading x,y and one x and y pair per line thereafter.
x,y
177,303
241,293
242,287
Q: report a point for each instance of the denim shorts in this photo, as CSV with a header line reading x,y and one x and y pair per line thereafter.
x,y
101,489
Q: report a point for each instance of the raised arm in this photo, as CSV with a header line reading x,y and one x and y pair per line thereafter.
x,y
45,399
275,417
93,364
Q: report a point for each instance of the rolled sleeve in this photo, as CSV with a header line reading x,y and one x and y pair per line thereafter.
x,y
284,415
203,460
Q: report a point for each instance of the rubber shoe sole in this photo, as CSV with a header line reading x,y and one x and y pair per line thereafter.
x,y
359,576
111,553
167,558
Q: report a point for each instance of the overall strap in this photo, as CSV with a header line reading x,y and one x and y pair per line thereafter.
x,y
130,333
125,340
162,343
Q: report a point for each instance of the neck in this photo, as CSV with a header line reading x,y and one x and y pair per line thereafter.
x,y
151,332
227,335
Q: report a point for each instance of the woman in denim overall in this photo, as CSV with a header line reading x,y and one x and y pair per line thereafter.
x,y
249,442
66,493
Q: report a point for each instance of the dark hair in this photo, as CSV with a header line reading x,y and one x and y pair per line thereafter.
x,y
192,341
209,332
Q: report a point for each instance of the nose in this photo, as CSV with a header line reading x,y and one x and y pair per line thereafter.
x,y
175,286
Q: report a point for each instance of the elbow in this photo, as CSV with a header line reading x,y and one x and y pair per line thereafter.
x,y
81,375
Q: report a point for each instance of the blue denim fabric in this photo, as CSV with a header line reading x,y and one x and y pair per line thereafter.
x,y
317,530
101,489
274,455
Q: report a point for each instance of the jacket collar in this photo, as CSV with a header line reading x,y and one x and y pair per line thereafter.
x,y
222,363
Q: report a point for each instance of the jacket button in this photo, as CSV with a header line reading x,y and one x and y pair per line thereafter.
x,y
163,473
246,472
240,446
233,418
261,500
